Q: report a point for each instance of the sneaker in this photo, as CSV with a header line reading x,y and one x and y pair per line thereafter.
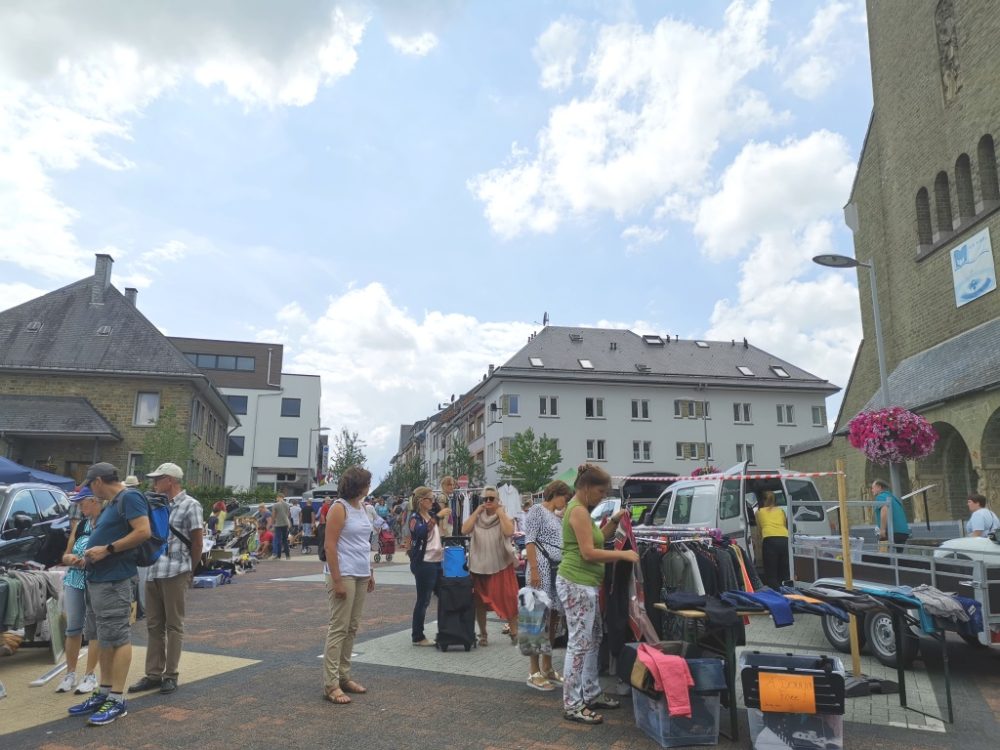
x,y
108,712
67,682
94,702
87,685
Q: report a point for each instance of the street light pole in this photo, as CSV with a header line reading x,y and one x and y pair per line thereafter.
x,y
842,261
312,467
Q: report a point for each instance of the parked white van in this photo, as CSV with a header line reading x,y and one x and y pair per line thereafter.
x,y
727,501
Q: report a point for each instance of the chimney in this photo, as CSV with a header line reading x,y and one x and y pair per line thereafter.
x,y
130,295
491,369
102,278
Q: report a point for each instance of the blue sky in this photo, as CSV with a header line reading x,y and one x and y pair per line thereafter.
x,y
397,191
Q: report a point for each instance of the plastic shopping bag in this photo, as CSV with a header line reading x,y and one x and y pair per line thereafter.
x,y
533,622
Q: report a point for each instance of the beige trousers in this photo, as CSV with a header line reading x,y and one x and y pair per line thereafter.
x,y
345,614
165,624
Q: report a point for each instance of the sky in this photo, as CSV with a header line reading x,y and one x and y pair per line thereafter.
x,y
398,190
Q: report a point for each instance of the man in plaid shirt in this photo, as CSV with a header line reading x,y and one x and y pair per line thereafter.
x,y
167,582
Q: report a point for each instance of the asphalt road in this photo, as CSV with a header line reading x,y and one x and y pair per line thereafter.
x,y
278,702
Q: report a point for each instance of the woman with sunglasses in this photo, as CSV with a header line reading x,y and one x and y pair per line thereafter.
x,y
491,563
426,554
581,574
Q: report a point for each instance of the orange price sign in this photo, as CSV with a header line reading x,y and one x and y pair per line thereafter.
x,y
787,693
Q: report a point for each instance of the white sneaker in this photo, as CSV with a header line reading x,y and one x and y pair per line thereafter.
x,y
87,685
67,682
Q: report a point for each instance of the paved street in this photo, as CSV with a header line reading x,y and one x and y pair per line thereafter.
x,y
251,679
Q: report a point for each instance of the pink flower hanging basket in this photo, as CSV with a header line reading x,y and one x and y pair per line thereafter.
x,y
892,435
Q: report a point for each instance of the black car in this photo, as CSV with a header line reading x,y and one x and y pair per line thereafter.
x,y
34,523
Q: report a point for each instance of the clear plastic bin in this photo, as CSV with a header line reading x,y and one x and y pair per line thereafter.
x,y
775,731
653,718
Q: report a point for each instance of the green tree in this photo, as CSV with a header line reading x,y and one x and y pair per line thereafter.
x,y
166,441
461,462
403,478
348,451
530,462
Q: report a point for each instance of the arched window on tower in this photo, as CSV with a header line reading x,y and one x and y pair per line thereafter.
x,y
988,186
963,186
924,231
942,205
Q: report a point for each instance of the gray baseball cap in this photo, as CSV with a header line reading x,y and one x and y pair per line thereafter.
x,y
101,470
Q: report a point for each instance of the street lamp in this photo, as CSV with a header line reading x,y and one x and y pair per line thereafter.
x,y
312,468
843,261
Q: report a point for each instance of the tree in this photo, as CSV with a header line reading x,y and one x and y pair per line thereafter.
x,y
528,462
166,441
403,478
348,451
461,462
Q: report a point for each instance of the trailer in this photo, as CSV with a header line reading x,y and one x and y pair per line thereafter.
x,y
969,567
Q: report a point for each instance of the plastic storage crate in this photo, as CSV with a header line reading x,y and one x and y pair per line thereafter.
x,y
811,683
653,717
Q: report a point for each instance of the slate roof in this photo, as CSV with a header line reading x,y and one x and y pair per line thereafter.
x,y
809,445
679,361
53,415
963,364
68,338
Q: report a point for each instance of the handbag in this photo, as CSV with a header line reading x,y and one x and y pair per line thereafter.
x,y
553,564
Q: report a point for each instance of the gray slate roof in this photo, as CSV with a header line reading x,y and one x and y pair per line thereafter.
x,y
968,362
809,445
678,361
68,338
53,415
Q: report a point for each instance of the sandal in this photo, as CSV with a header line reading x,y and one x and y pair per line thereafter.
x,y
337,697
483,640
505,630
538,682
605,701
350,686
583,715
553,676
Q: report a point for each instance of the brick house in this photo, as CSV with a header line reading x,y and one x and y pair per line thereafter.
x,y
925,211
84,376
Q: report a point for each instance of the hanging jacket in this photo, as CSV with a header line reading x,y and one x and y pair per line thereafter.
x,y
775,603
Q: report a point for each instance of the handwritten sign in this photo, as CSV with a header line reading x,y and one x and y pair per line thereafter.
x,y
787,693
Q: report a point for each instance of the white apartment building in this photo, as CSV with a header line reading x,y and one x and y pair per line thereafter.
x,y
638,403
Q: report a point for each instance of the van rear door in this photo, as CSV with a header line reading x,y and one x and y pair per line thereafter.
x,y
733,519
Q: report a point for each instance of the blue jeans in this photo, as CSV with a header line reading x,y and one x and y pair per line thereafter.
x,y
426,575
281,541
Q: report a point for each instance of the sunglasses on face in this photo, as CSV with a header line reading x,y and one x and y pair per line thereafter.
x,y
489,499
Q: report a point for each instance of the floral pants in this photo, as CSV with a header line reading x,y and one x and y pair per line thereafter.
x,y
583,619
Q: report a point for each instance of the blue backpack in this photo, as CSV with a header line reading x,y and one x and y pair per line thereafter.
x,y
158,511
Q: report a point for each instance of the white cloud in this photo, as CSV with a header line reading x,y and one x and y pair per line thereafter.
x,y
13,294
659,103
769,187
815,60
639,237
556,53
415,46
383,366
814,76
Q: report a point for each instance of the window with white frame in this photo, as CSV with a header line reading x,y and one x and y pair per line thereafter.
x,y
742,413
504,447
136,464
688,409
786,414
594,408
642,450
596,450
782,450
147,409
744,452
819,416
510,405
491,454
693,451
548,406
640,408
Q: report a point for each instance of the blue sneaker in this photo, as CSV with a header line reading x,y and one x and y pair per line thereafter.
x,y
94,702
108,712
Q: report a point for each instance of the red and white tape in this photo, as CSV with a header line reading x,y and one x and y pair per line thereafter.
x,y
783,475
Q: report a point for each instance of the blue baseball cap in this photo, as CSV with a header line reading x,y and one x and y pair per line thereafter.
x,y
83,494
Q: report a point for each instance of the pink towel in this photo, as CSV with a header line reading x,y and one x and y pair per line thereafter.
x,y
672,676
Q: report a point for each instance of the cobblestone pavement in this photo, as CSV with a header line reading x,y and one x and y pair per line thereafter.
x,y
420,698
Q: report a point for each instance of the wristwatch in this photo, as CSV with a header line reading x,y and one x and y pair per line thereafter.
x,y
110,548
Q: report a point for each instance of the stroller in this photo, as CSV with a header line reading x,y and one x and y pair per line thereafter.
x,y
386,545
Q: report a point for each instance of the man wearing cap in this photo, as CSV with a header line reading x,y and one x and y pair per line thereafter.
x,y
168,580
121,527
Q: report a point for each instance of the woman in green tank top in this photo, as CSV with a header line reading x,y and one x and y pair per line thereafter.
x,y
581,573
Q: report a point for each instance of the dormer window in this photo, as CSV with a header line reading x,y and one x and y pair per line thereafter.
x,y
744,370
536,361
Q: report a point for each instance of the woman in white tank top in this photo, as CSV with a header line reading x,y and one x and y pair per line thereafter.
x,y
349,579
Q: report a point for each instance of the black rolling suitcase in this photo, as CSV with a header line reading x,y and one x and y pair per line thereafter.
x,y
456,614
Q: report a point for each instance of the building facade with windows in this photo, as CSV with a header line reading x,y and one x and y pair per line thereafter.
x,y
634,402
278,442
925,211
85,377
